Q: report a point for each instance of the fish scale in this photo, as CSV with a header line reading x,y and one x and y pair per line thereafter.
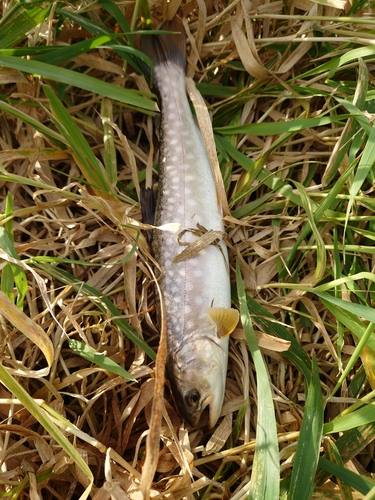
x,y
196,291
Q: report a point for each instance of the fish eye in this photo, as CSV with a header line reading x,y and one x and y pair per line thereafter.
x,y
192,397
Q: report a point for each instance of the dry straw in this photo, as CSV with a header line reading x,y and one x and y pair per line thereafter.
x,y
288,88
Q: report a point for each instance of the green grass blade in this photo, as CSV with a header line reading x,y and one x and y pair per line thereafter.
x,y
59,55
350,320
115,11
268,324
40,415
350,444
354,357
53,136
320,268
364,415
366,163
17,273
357,309
265,475
302,480
90,166
15,30
362,484
276,128
12,274
129,53
133,98
334,456
99,359
329,203
97,29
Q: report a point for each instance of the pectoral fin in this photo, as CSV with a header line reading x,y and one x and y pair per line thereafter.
x,y
225,319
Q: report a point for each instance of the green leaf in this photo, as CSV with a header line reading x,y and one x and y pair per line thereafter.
x,y
50,134
347,318
361,483
43,418
362,416
334,456
133,98
17,27
329,203
99,359
269,324
12,274
309,441
320,265
366,163
59,55
357,309
350,444
115,11
89,164
266,472
275,128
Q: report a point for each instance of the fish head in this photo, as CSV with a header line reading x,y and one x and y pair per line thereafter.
x,y
198,373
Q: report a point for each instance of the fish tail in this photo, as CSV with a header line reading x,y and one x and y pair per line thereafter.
x,y
170,47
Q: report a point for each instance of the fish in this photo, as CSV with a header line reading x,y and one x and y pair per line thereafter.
x,y
195,285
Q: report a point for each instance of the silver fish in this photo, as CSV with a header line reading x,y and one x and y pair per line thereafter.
x,y
196,289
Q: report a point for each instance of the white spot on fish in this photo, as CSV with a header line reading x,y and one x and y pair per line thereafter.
x,y
189,325
187,309
190,156
198,300
198,273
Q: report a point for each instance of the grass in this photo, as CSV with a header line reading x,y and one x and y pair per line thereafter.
x,y
291,97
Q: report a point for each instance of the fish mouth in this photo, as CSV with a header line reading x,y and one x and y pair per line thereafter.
x,y
214,409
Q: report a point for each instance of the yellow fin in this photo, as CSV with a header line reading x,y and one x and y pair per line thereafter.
x,y
225,319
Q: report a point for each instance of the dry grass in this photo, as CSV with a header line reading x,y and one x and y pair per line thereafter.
x,y
300,217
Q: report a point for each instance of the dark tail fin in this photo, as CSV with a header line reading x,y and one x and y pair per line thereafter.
x,y
148,206
169,47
